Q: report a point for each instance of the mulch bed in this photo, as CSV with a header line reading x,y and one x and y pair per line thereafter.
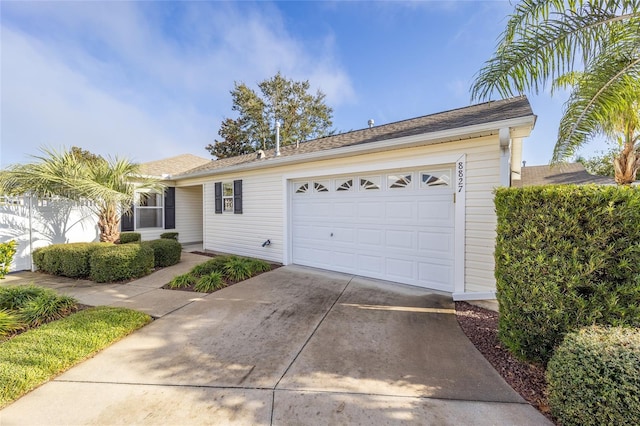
x,y
481,327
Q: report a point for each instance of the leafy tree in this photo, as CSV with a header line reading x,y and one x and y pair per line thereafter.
x,y
547,40
108,183
601,163
302,116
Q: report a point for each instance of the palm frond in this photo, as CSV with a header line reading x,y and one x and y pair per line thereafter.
x,y
547,42
600,104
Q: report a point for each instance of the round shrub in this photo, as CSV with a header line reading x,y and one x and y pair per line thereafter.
x,y
165,251
169,235
130,237
121,262
593,377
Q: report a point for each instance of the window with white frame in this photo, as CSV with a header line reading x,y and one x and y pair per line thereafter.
x,y
149,212
227,196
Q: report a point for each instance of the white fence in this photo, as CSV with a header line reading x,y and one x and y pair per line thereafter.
x,y
38,222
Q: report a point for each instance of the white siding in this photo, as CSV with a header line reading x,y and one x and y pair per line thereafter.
x,y
52,222
189,214
264,191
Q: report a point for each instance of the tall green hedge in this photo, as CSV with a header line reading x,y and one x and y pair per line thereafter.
x,y
566,256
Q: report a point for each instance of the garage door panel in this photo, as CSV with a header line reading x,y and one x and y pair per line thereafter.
x,y
438,276
398,234
400,211
435,244
435,210
370,264
400,239
370,237
370,210
402,269
344,259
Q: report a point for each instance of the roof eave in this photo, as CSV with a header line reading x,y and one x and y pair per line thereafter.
x,y
450,135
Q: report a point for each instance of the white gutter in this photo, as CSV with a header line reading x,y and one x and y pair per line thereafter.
x,y
449,135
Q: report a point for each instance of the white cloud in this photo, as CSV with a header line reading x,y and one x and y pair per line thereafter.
x,y
138,80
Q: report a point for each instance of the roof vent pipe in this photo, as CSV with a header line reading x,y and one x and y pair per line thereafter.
x,y
277,138
370,122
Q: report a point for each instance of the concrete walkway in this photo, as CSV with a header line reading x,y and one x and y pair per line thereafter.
x,y
295,346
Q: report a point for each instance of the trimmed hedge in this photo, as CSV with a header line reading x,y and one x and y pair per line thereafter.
x,y
169,235
566,257
130,237
166,252
593,377
121,262
69,260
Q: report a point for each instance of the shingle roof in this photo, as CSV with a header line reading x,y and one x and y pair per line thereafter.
x,y
174,165
457,118
566,173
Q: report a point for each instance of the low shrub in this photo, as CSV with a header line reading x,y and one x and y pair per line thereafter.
x,y
166,252
169,235
241,268
209,283
47,307
182,281
593,377
7,251
211,265
130,237
14,298
9,322
30,306
566,257
69,260
121,262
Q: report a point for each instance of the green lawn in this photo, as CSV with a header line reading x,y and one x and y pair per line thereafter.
x,y
36,356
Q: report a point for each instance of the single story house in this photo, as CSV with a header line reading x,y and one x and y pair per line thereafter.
x,y
409,202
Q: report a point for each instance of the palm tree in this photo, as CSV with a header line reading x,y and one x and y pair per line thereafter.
x,y
615,114
546,40
108,184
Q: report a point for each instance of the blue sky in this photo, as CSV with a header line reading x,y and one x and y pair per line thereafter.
x,y
149,80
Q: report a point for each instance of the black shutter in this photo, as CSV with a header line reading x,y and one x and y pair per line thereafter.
x,y
170,208
237,196
127,220
218,199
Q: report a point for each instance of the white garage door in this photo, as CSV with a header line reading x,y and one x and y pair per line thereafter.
x,y
396,226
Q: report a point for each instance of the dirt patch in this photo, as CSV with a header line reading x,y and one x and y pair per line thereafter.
x,y
481,327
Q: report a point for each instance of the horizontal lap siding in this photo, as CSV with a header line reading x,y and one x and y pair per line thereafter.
x,y
261,218
483,176
263,202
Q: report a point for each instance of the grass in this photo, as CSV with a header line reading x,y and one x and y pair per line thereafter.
x,y
36,356
219,272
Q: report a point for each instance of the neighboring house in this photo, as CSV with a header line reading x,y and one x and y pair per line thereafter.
x,y
564,173
409,202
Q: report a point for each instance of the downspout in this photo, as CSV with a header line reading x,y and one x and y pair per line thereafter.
x,y
505,156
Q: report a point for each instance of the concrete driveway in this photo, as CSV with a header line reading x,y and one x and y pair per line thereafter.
x,y
295,346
